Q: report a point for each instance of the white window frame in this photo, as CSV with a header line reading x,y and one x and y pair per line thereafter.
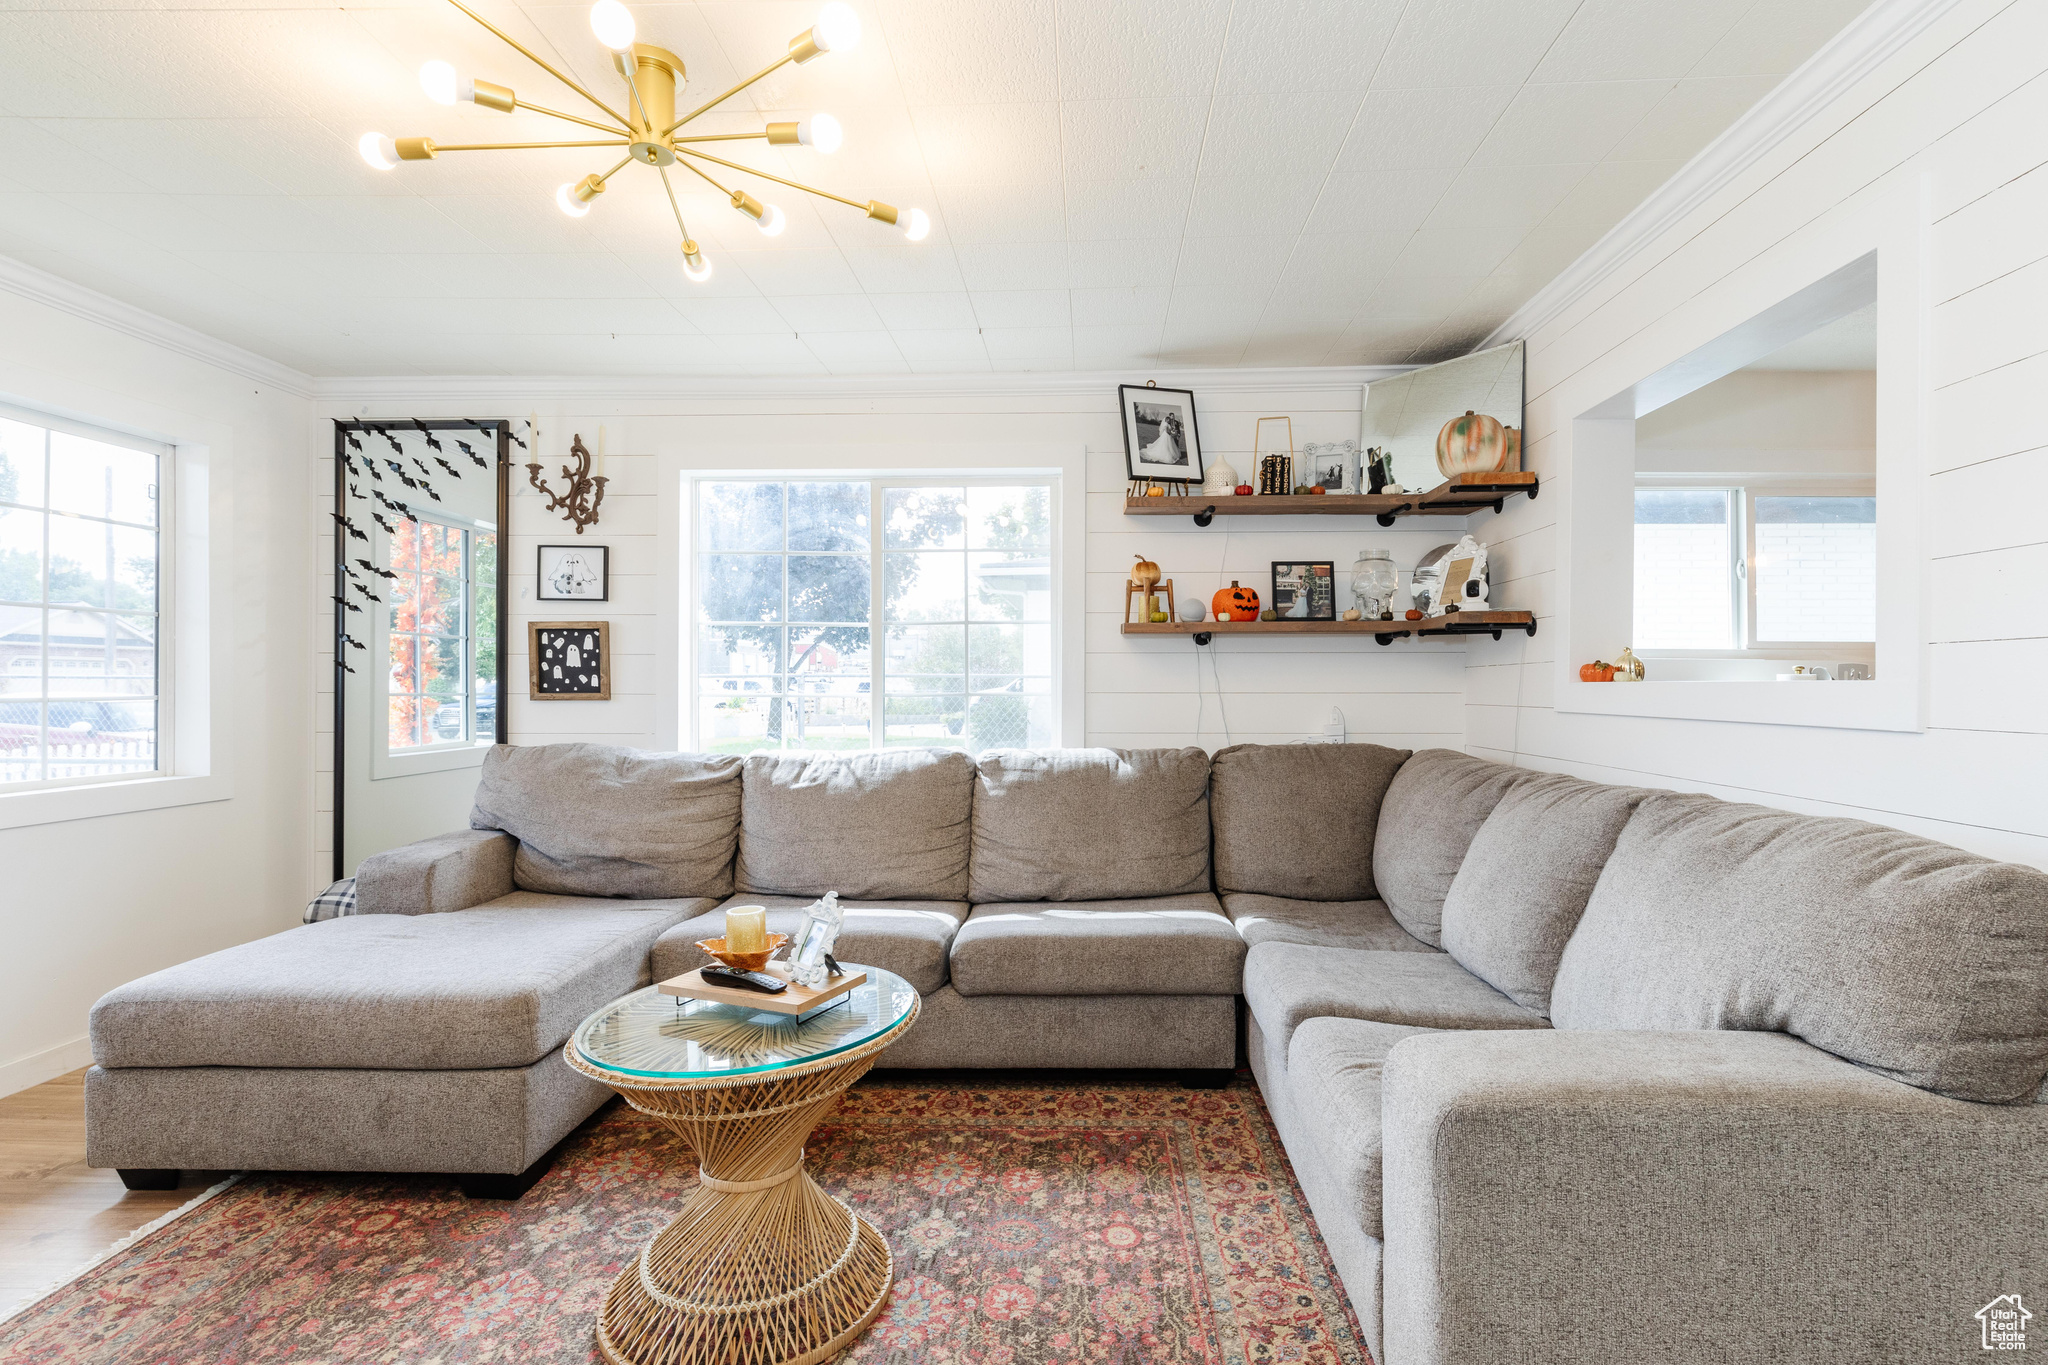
x,y
879,481
166,597
1744,490
386,762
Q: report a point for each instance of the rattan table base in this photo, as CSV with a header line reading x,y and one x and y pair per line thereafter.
x,y
761,1267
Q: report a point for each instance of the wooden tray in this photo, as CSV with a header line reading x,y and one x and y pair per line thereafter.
x,y
796,1000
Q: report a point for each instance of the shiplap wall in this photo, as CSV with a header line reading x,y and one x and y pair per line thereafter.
x,y
1966,106
1137,692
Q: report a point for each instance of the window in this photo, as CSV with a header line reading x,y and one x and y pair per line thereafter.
x,y
861,614
80,564
439,639
1744,568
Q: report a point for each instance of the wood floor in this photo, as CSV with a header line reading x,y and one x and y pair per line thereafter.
x,y
57,1213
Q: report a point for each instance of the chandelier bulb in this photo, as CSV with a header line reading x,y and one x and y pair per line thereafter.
x,y
837,28
440,83
694,264
574,200
379,150
612,22
821,133
916,225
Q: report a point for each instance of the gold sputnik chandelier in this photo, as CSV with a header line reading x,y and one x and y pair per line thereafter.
x,y
649,129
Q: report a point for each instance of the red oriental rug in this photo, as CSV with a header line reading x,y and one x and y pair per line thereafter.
x,y
1114,1222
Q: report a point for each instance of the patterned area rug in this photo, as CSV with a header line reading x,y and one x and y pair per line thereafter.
x,y
1122,1223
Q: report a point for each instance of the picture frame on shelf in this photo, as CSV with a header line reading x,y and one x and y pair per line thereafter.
x,y
569,660
1331,466
1161,439
810,953
572,573
1304,590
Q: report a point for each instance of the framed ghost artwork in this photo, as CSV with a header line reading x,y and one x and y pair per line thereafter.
x,y
573,573
569,660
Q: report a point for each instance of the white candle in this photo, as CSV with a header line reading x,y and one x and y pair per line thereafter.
x,y
746,929
597,466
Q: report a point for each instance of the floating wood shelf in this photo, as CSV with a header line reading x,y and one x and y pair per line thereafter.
x,y
1461,495
1386,632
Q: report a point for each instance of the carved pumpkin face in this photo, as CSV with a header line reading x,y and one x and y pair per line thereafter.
x,y
1235,604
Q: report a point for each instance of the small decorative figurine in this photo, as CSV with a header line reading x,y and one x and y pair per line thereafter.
x,y
1627,667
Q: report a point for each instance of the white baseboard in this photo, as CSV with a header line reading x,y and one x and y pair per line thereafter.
x,y
46,1065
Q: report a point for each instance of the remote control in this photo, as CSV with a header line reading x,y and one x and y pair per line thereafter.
x,y
745,981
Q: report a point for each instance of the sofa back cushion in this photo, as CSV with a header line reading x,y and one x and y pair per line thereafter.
x,y
1917,960
871,826
594,820
1433,807
1089,824
1297,820
1526,878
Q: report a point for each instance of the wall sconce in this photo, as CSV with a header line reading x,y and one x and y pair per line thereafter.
x,y
586,486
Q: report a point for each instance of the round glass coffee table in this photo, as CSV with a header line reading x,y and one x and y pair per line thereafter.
x,y
761,1267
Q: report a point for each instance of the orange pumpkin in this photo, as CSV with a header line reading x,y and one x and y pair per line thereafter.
x,y
1596,672
1472,444
1513,459
1145,574
1235,604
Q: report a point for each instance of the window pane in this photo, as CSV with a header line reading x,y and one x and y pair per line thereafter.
x,y
443,720
739,587
1009,722
1009,658
404,666
21,741
405,546
21,556
926,659
925,587
828,588
833,722
937,722
739,516
1009,586
830,660
484,624
924,518
1009,518
403,723
100,738
1816,569
738,724
1684,573
93,563
828,516
95,655
755,650
21,660
21,463
102,480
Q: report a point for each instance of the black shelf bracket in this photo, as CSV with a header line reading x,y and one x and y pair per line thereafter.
x,y
1384,639
1201,637
1203,518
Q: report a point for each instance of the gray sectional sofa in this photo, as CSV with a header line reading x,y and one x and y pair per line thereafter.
x,y
1568,1072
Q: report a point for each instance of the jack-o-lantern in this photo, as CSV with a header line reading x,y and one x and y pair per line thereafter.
x,y
1472,444
1145,574
1235,604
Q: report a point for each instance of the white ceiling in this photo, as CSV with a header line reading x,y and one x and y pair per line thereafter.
x,y
1113,183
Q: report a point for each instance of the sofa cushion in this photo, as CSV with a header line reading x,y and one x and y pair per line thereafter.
x,y
594,820
1286,983
1089,825
1333,1072
869,826
1324,924
1920,961
1271,841
498,985
1525,881
909,938
1165,945
1434,806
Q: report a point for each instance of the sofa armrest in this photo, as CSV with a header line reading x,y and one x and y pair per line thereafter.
x,y
447,872
1693,1197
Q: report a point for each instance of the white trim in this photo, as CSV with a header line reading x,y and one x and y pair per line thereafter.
x,y
47,1065
40,286
1841,62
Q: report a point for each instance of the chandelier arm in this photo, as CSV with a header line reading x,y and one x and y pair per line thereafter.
x,y
573,118
720,137
768,175
688,165
527,53
707,106
624,162
525,146
673,205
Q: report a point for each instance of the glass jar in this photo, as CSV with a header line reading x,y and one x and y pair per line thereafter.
x,y
1373,584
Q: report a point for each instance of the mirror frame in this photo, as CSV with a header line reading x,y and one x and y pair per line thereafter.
x,y
499,429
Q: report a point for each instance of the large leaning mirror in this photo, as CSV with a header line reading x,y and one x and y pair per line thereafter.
x,y
419,617
1406,416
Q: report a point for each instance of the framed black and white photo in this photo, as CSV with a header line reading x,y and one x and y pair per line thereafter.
x,y
1331,466
569,660
1305,590
1160,440
573,573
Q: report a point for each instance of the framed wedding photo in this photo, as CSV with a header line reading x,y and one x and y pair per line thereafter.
x,y
1160,440
573,573
1305,590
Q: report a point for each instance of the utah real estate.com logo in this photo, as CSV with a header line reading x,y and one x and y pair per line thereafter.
x,y
2004,1320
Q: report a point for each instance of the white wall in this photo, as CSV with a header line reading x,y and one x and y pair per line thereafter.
x,y
1961,109
1138,692
1765,422
89,903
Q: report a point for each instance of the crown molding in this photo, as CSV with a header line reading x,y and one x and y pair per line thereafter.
x,y
1869,40
522,392
53,291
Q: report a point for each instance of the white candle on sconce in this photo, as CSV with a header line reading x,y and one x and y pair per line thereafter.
x,y
597,465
